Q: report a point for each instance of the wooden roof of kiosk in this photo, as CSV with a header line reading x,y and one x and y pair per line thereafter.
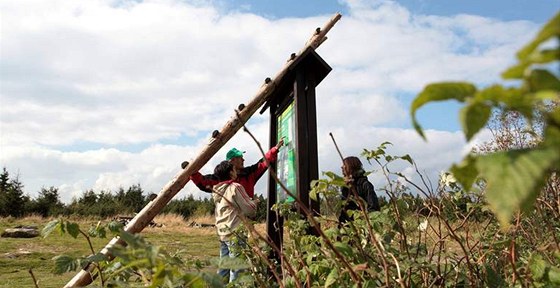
x,y
219,138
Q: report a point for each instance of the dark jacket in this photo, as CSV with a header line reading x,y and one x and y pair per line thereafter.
x,y
364,190
247,177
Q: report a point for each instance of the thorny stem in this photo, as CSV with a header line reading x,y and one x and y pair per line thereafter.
x,y
97,266
550,228
458,240
256,249
33,277
395,207
355,230
374,239
441,241
512,257
400,281
270,265
479,240
428,187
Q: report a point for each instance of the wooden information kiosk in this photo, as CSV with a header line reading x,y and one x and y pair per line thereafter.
x,y
293,115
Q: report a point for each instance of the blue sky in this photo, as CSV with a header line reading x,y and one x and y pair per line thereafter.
x,y
100,96
533,10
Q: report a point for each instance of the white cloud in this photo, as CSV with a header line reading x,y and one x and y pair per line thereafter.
x,y
398,51
79,73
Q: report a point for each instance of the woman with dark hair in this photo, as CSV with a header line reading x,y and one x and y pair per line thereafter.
x,y
359,186
232,204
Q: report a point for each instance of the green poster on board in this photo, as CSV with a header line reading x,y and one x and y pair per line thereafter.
x,y
286,163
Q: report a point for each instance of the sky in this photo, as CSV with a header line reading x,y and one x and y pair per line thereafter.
x,y
102,94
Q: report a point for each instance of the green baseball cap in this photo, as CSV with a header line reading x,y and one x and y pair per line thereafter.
x,y
234,153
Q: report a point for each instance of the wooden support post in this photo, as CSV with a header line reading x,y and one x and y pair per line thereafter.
x,y
147,214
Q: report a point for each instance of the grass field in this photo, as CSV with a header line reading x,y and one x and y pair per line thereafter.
x,y
19,255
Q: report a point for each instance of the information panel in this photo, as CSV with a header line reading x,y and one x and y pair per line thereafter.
x,y
286,163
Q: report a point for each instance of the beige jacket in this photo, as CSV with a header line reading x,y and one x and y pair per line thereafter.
x,y
231,202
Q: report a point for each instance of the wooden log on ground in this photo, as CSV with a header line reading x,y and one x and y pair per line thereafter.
x,y
242,115
20,232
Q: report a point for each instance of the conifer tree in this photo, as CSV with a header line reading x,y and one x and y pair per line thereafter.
x,y
15,199
4,185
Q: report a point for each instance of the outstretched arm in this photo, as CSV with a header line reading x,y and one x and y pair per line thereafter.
x,y
204,182
257,170
280,143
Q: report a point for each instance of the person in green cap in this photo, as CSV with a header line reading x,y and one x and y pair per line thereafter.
x,y
246,176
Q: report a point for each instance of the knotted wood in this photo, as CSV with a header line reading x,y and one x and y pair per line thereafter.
x,y
242,115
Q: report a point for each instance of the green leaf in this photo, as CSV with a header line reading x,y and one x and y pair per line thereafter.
x,y
496,94
474,117
207,279
50,227
131,239
550,30
543,80
97,231
232,263
537,266
407,158
315,268
528,56
554,275
73,229
376,154
344,248
544,56
552,134
439,92
314,195
65,263
512,98
546,95
465,172
98,257
384,145
331,175
493,278
115,227
514,178
159,275
331,278
537,57
516,71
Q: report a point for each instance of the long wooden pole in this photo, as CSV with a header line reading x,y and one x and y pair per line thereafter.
x,y
147,214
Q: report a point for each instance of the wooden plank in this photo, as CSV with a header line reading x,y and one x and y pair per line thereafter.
x,y
312,138
302,138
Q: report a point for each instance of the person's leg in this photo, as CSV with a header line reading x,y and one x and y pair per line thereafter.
x,y
232,254
234,251
224,252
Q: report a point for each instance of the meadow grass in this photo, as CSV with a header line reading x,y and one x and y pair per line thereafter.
x,y
19,255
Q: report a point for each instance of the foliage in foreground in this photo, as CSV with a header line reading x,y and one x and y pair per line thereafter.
x,y
447,238
521,173
138,264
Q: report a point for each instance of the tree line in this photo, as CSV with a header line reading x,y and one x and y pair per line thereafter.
x,y
15,203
